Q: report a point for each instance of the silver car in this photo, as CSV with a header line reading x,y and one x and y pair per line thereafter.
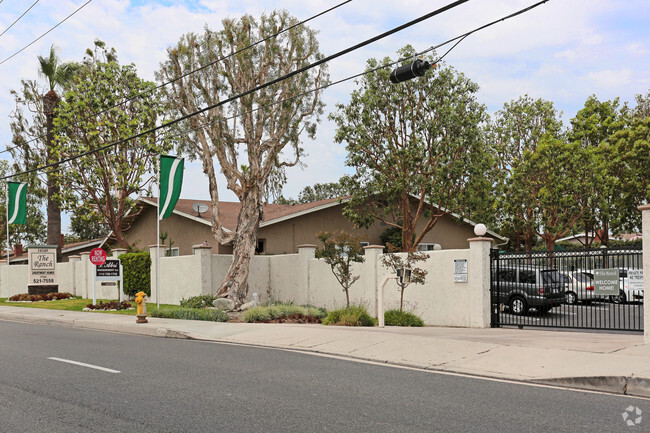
x,y
579,286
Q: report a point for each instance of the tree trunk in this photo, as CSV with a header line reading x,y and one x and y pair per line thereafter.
x,y
50,102
234,285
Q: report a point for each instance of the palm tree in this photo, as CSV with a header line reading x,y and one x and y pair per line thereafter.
x,y
59,75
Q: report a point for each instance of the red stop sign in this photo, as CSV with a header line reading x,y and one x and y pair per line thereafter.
x,y
97,256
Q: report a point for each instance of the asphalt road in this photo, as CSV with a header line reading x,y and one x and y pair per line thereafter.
x,y
166,385
595,315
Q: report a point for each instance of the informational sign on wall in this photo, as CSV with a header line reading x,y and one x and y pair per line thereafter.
x,y
460,271
606,282
42,265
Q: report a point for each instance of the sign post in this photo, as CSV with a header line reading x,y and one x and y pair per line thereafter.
x,y
97,258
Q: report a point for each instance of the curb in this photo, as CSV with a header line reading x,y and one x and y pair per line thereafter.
x,y
624,385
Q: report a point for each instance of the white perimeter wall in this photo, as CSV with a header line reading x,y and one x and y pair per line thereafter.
x,y
303,279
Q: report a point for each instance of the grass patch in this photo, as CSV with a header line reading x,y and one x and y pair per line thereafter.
x,y
191,314
402,318
78,304
277,311
356,315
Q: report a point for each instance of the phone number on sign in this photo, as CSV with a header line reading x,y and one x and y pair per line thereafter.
x,y
43,281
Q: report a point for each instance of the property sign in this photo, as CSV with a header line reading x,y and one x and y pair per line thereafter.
x,y
42,265
460,271
97,256
606,282
108,271
635,279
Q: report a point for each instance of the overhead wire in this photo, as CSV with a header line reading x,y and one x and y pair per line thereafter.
x,y
458,40
248,92
18,19
141,94
284,77
43,35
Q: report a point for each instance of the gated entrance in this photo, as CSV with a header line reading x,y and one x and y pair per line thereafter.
x,y
585,289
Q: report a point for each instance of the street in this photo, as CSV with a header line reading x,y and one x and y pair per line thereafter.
x,y
59,379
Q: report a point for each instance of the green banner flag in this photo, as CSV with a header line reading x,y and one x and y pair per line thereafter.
x,y
17,203
171,181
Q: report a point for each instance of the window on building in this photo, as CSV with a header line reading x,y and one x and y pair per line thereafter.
x,y
259,249
428,247
172,252
364,244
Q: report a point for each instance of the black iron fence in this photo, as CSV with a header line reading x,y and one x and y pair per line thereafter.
x,y
588,289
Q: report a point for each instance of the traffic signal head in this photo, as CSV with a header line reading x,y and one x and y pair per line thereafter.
x,y
416,69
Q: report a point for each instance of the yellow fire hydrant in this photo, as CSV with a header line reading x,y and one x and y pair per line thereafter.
x,y
141,311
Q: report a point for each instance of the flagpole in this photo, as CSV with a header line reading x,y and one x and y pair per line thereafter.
x,y
158,240
8,277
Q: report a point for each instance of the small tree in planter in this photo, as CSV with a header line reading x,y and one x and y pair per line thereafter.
x,y
340,250
398,263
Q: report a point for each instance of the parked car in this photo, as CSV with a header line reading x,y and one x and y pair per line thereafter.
x,y
523,287
579,286
625,294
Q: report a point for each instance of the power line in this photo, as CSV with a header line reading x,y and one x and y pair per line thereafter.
x,y
41,36
262,86
458,40
139,95
18,19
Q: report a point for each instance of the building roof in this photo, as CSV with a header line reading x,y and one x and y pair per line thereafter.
x,y
273,213
229,211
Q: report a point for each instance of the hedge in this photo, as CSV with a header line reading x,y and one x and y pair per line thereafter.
x,y
137,273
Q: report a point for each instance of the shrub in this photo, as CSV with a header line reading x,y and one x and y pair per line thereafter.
x,y
114,305
356,315
201,301
45,297
278,311
401,318
192,314
137,273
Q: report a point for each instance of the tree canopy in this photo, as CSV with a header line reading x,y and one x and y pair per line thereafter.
x,y
105,180
417,148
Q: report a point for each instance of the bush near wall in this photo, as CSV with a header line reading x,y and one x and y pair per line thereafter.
x,y
137,273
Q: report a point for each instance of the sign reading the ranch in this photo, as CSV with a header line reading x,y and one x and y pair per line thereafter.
x,y
42,265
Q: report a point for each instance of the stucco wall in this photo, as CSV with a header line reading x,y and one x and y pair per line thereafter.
x,y
179,279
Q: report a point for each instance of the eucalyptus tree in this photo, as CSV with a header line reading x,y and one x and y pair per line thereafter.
x,y
552,181
592,128
629,156
517,129
417,149
251,138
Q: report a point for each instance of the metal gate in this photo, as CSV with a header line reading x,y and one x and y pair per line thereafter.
x,y
564,289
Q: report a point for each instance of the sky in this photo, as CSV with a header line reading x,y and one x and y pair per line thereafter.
x,y
563,51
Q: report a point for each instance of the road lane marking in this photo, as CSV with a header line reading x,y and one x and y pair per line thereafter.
x,y
96,367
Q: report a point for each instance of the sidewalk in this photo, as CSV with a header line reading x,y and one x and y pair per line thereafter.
x,y
617,363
